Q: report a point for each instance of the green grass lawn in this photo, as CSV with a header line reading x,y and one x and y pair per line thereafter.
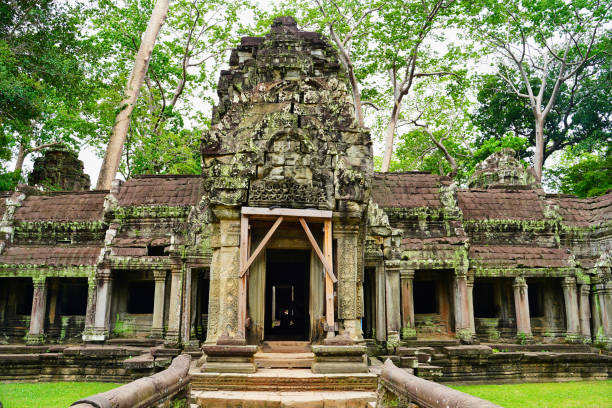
x,y
584,394
48,395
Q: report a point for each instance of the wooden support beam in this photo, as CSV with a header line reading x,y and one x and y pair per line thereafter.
x,y
287,212
260,247
324,261
329,284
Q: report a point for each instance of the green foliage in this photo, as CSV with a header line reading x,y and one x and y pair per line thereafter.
x,y
54,394
590,176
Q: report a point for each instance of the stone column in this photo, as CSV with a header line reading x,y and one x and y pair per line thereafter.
x,y
462,309
585,312
572,316
157,328
186,316
407,279
102,309
174,309
381,326
347,262
90,312
39,303
470,296
601,314
228,263
521,306
393,304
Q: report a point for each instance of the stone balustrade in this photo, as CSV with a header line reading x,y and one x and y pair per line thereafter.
x,y
170,385
398,388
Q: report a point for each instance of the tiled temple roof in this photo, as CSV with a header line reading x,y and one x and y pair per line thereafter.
x,y
407,190
574,211
498,256
73,206
50,256
601,208
170,190
500,204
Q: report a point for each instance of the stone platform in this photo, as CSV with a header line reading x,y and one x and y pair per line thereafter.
x,y
282,380
267,399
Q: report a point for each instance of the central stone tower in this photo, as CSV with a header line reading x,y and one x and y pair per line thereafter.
x,y
285,145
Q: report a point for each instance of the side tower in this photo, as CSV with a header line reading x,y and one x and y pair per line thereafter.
x,y
287,171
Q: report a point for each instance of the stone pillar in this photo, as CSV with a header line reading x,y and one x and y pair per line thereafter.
x,y
174,310
585,312
36,334
470,296
102,309
228,263
157,328
90,312
186,316
347,237
521,306
407,279
393,304
381,326
462,309
601,310
572,316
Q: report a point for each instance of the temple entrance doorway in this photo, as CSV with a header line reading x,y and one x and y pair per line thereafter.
x,y
287,295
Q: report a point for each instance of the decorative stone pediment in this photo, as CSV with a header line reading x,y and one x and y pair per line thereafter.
x,y
284,133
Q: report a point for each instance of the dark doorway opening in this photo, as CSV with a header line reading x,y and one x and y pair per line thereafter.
x,y
425,299
141,296
484,300
287,294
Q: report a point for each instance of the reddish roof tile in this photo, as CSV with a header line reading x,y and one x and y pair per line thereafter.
x,y
171,190
574,211
518,257
51,256
601,209
407,190
500,204
73,206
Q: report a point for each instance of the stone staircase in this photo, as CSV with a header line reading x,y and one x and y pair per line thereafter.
x,y
284,354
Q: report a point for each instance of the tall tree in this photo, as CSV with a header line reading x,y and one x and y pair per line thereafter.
x,y
46,97
406,55
532,42
112,158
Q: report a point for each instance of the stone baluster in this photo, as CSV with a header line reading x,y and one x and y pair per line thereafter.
x,y
39,304
585,311
157,328
407,281
571,309
174,309
521,306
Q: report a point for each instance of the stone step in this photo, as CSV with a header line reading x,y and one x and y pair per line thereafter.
x,y
325,399
266,379
284,360
428,371
286,347
137,342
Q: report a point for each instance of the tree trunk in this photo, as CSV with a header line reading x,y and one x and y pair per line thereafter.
x,y
538,160
112,158
20,158
356,94
389,136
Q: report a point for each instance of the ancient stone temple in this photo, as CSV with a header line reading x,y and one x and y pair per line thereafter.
x,y
288,235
